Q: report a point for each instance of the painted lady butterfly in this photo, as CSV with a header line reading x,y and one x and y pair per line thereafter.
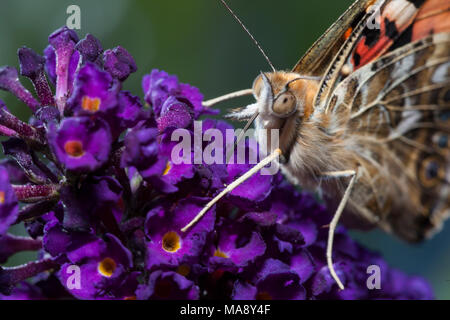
x,y
366,113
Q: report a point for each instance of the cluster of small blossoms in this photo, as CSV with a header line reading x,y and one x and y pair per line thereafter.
x,y
90,176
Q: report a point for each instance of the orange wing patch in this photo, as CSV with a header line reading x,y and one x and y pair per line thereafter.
x,y
348,33
433,17
395,17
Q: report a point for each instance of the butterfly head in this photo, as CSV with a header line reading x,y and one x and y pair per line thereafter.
x,y
282,95
283,101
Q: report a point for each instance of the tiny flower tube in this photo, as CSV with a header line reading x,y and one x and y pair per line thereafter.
x,y
23,129
90,48
9,207
63,42
9,277
35,193
11,244
9,81
119,63
32,66
35,210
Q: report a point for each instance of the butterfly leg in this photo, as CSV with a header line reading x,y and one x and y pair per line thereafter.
x,y
337,215
232,95
275,155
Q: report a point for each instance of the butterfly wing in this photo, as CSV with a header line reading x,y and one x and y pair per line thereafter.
x,y
387,25
397,108
317,58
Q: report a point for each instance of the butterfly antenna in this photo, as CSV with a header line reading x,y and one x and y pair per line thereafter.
x,y
251,36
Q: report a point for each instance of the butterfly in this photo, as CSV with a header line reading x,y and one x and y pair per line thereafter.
x,y
365,115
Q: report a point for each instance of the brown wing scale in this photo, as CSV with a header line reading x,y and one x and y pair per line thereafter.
x,y
398,113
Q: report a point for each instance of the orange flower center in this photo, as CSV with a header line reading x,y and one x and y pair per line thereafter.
x,y
74,148
184,270
171,242
220,253
106,267
264,295
167,169
90,104
2,197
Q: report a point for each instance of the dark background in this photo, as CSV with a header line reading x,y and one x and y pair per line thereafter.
x,y
200,42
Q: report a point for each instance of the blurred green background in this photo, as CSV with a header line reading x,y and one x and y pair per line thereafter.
x,y
200,42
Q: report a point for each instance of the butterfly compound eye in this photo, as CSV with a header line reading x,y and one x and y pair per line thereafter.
x,y
284,105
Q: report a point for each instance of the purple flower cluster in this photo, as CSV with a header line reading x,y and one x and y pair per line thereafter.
x,y
90,175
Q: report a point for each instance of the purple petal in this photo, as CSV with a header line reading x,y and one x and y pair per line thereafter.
x,y
50,63
168,286
9,208
93,92
238,245
63,42
119,63
9,81
31,64
11,244
81,144
90,48
244,291
130,109
168,244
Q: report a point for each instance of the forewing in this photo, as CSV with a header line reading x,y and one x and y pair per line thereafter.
x,y
385,26
318,57
397,112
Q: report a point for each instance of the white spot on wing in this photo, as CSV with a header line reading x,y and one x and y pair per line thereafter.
x,y
441,73
402,67
400,11
409,118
